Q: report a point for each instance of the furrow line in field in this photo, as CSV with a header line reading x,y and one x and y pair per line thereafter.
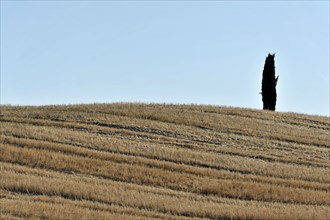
x,y
219,162
196,139
94,206
192,139
221,150
145,189
162,178
170,120
196,159
249,114
96,180
236,150
187,138
151,163
210,143
67,192
311,123
151,157
164,204
163,133
119,134
44,210
91,205
148,112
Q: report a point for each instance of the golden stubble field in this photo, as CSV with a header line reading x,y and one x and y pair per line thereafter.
x,y
153,161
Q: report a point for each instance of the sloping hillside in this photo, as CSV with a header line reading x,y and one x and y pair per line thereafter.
x,y
129,161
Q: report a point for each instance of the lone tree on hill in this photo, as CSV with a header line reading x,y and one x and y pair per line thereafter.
x,y
269,82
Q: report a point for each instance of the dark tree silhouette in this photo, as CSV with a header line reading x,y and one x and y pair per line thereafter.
x,y
269,82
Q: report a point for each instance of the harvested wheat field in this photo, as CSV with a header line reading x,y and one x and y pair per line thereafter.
x,y
153,161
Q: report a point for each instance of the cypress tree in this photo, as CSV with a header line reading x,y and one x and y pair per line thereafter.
x,y
269,83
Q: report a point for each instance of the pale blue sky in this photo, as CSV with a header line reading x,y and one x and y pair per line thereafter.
x,y
202,52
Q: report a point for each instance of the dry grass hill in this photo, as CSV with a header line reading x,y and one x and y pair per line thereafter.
x,y
152,161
